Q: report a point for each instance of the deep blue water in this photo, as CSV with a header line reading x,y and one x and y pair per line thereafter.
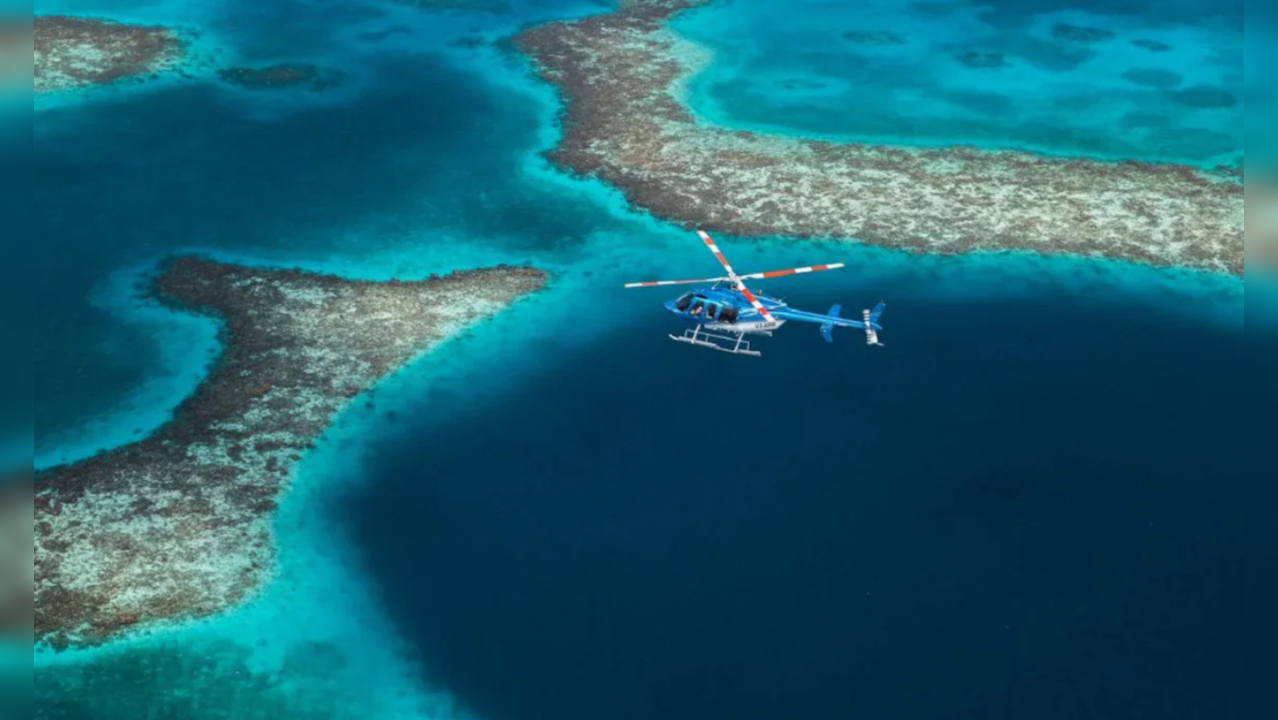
x,y
17,285
1051,520
1047,522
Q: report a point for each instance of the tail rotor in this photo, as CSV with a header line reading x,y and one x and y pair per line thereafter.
x,y
871,318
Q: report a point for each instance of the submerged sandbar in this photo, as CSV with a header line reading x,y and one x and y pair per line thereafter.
x,y
76,52
178,525
282,76
622,76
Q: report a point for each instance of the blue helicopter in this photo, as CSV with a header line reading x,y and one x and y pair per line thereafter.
x,y
726,311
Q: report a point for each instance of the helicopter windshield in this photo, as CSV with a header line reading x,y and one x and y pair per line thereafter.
x,y
682,303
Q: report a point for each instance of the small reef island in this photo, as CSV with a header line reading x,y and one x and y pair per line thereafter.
x,y
76,52
282,76
179,524
623,74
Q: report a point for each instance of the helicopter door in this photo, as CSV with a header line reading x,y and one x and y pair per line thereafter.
x,y
711,311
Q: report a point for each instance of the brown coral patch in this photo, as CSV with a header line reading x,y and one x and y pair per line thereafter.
x,y
178,524
282,76
74,52
621,75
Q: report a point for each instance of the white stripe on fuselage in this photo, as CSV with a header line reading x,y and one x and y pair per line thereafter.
x,y
746,327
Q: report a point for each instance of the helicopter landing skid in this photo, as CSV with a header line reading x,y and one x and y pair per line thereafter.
x,y
734,344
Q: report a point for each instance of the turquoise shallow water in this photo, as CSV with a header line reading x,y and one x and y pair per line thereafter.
x,y
1261,70
425,161
1151,80
344,173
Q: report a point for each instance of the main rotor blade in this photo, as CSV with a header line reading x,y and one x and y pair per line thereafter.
x,y
658,283
791,271
732,275
754,302
709,241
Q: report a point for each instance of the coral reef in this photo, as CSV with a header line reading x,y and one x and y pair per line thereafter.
x,y
16,554
622,76
982,60
376,36
1079,33
178,524
72,52
1152,45
1153,77
1205,97
881,38
282,76
205,680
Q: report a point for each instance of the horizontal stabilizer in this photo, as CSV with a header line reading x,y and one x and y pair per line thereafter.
x,y
827,329
826,332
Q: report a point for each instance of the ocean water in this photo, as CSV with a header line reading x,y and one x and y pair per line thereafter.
x,y
997,515
15,283
1027,504
1161,80
295,175
1261,60
16,426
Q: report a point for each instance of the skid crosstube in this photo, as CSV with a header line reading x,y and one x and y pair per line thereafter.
x,y
734,344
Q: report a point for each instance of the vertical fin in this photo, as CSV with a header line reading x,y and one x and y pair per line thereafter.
x,y
871,337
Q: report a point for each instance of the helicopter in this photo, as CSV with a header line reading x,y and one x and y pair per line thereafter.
x,y
726,311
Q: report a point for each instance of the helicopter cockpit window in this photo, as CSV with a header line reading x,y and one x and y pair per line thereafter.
x,y
697,308
682,303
